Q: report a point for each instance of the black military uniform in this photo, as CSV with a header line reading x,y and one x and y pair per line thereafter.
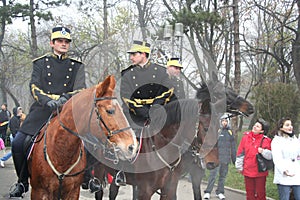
x,y
54,80
142,87
51,78
178,87
176,82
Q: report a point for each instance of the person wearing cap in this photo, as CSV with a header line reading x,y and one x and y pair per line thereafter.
x,y
55,78
173,69
227,154
253,142
143,84
286,157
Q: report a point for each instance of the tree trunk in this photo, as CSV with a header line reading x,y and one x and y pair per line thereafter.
x,y
237,57
33,30
105,42
296,50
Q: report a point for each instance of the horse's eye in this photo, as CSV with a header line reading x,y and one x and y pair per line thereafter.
x,y
111,112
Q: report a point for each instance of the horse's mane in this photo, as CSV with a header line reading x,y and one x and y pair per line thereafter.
x,y
203,92
175,112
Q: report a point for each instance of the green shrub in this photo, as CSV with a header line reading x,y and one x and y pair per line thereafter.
x,y
277,100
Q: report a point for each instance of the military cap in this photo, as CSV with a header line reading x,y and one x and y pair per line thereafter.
x,y
174,62
61,32
139,46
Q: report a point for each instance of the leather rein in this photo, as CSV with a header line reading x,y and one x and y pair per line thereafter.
x,y
60,175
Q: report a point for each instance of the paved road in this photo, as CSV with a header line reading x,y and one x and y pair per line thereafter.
x,y
8,178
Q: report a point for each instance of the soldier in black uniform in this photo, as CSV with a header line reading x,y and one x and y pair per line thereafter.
x,y
173,69
55,78
143,84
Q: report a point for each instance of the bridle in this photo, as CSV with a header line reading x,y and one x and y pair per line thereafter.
x,y
235,112
101,145
110,132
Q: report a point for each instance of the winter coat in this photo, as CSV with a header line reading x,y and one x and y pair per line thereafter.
x,y
249,147
286,156
51,78
226,146
142,87
4,119
14,123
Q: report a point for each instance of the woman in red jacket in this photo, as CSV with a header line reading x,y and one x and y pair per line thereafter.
x,y
255,181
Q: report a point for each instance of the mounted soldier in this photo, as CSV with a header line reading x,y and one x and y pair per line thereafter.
x,y
143,84
55,78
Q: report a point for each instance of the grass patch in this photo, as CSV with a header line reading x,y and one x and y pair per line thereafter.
x,y
236,180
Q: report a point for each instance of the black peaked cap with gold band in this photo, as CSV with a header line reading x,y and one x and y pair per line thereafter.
x,y
139,46
61,32
174,62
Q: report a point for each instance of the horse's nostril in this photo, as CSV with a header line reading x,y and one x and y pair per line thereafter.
x,y
130,148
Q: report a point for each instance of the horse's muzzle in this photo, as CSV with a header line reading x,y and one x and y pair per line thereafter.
x,y
211,165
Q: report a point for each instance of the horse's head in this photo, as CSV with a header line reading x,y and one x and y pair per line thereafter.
x,y
209,125
236,104
113,122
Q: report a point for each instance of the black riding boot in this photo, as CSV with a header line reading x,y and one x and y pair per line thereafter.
x,y
22,172
120,178
91,183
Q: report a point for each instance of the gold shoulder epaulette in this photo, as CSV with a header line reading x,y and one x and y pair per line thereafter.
x,y
45,55
75,60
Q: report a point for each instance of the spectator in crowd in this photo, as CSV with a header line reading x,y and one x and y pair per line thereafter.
x,y
227,154
2,145
286,158
14,125
250,145
4,121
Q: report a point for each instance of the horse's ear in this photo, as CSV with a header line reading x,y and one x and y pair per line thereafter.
x,y
106,87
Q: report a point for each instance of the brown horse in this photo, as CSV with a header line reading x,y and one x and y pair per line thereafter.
x,y
58,158
202,155
176,134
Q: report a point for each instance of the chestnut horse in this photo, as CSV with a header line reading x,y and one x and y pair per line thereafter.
x,y
201,152
58,157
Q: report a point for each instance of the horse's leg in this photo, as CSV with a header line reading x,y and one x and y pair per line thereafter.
x,y
113,190
168,191
135,192
145,192
99,172
197,174
38,194
99,195
73,194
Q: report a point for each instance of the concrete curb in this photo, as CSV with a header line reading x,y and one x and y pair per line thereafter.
x,y
238,191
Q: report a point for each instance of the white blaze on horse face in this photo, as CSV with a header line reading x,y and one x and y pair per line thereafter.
x,y
128,148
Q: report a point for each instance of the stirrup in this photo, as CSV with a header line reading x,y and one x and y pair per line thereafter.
x,y
17,190
95,185
120,179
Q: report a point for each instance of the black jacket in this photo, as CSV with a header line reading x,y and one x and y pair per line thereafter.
x,y
142,87
4,119
14,123
51,77
178,87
